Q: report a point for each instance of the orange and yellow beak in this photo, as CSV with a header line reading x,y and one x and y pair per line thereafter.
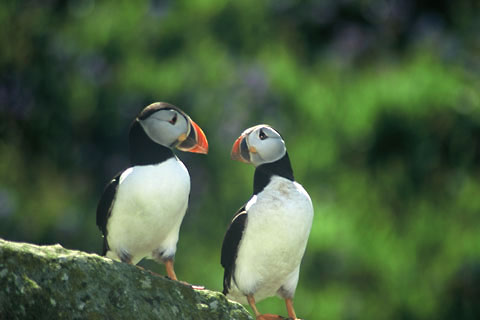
x,y
240,150
196,141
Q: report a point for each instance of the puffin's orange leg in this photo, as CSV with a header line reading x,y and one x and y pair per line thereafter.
x,y
170,271
171,274
258,315
290,310
251,302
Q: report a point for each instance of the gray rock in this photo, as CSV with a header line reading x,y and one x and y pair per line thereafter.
x,y
51,282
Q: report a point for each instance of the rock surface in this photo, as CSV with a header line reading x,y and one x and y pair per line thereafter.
x,y
50,282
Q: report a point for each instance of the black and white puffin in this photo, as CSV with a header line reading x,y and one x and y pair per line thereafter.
x,y
142,208
266,240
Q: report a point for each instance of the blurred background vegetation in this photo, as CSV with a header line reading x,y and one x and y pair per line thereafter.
x,y
378,101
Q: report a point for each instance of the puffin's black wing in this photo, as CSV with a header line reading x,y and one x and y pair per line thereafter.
x,y
104,208
230,246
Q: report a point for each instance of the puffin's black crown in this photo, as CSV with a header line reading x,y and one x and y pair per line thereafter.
x,y
157,106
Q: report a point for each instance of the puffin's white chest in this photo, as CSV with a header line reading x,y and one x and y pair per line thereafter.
x,y
275,237
149,207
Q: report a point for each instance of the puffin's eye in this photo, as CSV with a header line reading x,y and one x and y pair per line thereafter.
x,y
174,119
262,135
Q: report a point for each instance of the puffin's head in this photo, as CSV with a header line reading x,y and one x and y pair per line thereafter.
x,y
258,145
169,126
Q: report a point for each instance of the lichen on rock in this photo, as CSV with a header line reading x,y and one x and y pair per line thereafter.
x,y
51,282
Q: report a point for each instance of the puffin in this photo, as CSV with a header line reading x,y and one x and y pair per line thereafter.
x,y
142,207
266,240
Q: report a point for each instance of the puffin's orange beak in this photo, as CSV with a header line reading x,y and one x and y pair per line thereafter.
x,y
240,149
202,144
196,140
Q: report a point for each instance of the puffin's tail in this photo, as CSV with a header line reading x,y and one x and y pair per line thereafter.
x,y
105,247
227,277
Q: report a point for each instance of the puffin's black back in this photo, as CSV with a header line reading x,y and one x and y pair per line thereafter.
x,y
104,208
230,247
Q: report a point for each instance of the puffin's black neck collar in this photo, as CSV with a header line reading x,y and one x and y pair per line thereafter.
x,y
143,151
264,172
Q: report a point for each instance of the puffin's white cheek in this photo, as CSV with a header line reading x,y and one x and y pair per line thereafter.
x,y
271,150
161,132
256,159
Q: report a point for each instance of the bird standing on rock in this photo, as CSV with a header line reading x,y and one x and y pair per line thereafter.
x,y
142,208
266,240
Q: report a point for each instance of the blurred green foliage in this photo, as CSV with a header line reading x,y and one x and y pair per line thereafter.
x,y
378,101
